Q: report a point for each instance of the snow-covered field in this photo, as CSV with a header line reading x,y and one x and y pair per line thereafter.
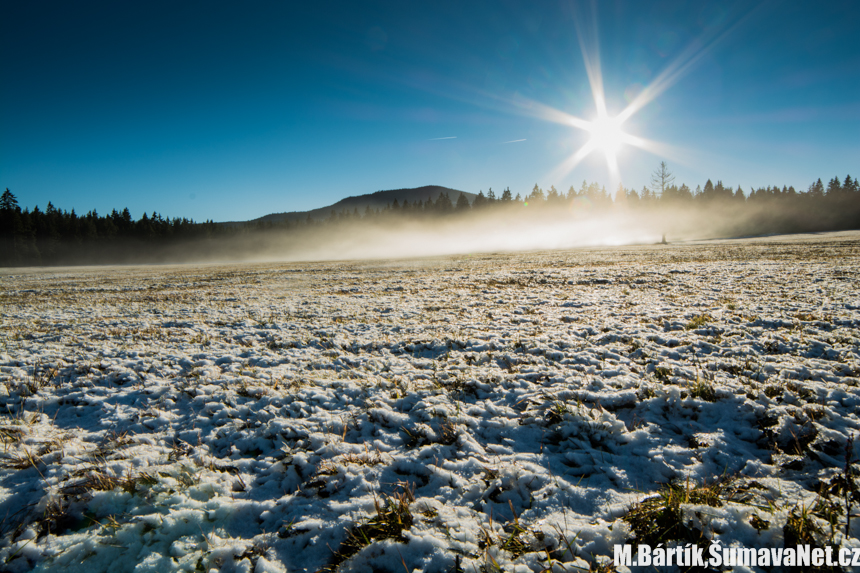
x,y
472,413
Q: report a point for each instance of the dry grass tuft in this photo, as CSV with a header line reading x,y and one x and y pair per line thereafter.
x,y
703,390
392,518
659,518
699,321
98,480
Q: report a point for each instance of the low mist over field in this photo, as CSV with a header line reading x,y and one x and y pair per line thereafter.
x,y
437,226
516,230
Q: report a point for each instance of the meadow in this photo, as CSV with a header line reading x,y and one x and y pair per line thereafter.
x,y
491,412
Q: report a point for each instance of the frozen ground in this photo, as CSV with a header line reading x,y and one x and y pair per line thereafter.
x,y
477,413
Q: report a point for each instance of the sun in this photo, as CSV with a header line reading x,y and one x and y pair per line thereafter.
x,y
606,135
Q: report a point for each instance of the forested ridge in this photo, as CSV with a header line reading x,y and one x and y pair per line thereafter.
x,y
53,236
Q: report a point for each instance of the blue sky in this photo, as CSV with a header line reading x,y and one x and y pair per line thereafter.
x,y
231,111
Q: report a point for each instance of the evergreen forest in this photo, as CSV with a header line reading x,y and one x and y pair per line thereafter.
x,y
58,237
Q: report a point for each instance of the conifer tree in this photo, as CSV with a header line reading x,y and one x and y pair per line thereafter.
x,y
669,195
443,203
816,190
463,203
537,197
11,227
8,201
632,197
620,196
480,201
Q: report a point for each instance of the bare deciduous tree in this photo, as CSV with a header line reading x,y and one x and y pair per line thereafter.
x,y
661,179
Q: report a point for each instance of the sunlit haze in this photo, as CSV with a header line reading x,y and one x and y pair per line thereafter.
x,y
224,111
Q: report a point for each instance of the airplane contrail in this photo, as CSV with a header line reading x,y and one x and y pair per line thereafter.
x,y
438,138
514,140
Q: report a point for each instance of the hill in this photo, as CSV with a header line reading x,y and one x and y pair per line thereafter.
x,y
361,202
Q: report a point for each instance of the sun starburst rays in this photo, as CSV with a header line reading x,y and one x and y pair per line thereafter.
x,y
607,137
607,134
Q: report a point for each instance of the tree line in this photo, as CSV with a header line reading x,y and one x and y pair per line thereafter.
x,y
662,193
48,237
54,236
